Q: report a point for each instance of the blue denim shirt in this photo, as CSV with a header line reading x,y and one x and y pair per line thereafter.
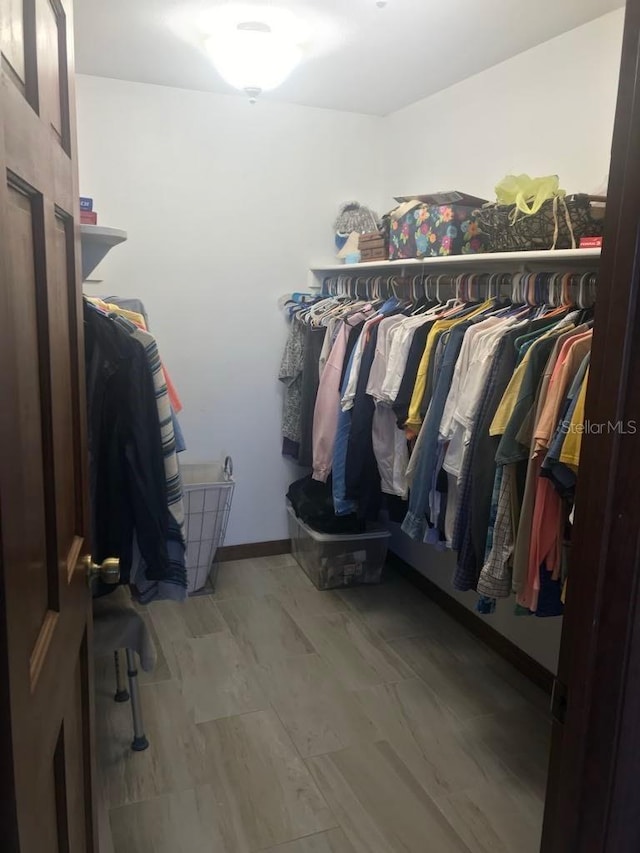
x,y
415,522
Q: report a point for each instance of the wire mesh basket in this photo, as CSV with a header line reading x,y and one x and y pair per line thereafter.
x,y
208,492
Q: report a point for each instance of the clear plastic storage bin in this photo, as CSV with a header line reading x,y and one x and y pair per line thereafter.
x,y
338,561
208,491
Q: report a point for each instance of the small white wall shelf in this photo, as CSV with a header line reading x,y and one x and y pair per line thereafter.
x,y
97,240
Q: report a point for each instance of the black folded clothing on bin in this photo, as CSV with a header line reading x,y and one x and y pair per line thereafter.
x,y
312,502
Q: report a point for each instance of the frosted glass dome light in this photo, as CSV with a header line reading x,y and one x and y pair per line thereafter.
x,y
252,57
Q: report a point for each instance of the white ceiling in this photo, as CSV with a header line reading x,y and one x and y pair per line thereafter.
x,y
358,58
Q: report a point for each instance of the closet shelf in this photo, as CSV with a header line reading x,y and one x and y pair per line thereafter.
x,y
490,260
96,242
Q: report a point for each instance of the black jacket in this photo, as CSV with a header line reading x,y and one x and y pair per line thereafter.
x,y
127,479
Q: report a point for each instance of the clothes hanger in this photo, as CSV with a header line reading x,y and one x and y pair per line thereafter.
x,y
402,292
377,285
314,314
420,295
586,289
453,305
434,296
441,306
566,292
516,291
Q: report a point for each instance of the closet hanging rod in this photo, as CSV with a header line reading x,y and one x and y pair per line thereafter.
x,y
534,288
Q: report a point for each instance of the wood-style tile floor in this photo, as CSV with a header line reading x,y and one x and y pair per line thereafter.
x,y
288,720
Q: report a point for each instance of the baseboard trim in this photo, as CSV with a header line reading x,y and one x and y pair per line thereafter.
x,y
253,550
523,662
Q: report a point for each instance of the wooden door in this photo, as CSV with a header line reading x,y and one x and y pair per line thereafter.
x,y
592,798
45,623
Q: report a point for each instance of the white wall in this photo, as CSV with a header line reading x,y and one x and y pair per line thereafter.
x,y
547,111
225,205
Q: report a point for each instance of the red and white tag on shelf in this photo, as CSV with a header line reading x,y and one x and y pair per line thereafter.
x,y
591,242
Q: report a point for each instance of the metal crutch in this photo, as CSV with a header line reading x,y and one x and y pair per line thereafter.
x,y
140,741
121,694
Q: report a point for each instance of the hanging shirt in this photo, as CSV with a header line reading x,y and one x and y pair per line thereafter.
x,y
434,366
572,444
523,346
133,310
291,377
457,462
399,354
349,394
389,445
313,341
478,475
536,359
127,475
130,303
572,354
378,370
483,342
470,529
391,452
425,458
402,399
146,588
534,350
341,505
508,402
325,417
333,325
547,524
563,476
495,577
467,539
525,437
414,421
362,481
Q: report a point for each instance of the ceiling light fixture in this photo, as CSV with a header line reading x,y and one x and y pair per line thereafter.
x,y
381,4
253,58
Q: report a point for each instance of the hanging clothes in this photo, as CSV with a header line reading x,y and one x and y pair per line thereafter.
x,y
548,517
495,576
147,589
291,377
313,343
388,443
423,467
133,309
138,315
523,538
300,374
456,409
128,482
325,418
356,480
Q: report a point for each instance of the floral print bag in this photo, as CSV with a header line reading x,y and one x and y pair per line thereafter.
x,y
429,230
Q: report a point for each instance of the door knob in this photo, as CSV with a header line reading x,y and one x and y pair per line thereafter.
x,y
108,571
